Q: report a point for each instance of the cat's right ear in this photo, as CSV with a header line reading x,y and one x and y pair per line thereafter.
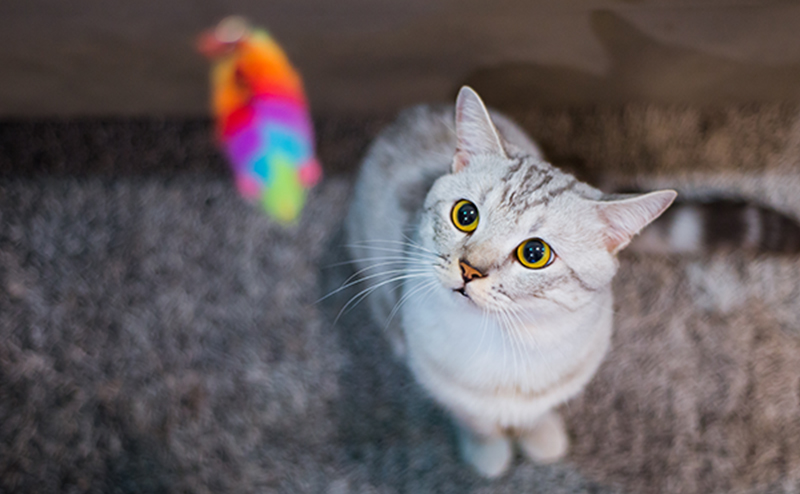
x,y
475,132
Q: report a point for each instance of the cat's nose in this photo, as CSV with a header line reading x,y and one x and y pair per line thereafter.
x,y
468,273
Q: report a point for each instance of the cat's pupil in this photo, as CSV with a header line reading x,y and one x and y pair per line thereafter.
x,y
533,251
467,214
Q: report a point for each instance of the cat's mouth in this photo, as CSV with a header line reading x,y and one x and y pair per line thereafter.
x,y
458,287
462,291
472,295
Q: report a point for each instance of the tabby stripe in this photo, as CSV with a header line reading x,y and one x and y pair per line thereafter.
x,y
513,169
520,207
585,286
723,224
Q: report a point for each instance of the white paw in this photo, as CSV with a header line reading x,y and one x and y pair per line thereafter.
x,y
547,441
489,456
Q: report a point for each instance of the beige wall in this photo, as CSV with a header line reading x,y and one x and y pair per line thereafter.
x,y
105,57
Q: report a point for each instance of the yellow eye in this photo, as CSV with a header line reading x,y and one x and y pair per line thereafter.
x,y
535,253
465,216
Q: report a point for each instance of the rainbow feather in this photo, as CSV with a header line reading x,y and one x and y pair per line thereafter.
x,y
262,118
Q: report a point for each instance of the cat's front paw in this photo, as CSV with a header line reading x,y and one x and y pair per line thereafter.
x,y
547,441
489,456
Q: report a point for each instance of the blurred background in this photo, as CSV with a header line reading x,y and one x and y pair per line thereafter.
x,y
101,58
158,334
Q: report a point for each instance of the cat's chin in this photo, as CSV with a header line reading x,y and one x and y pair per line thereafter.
x,y
464,295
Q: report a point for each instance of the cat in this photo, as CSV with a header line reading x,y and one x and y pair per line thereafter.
x,y
505,265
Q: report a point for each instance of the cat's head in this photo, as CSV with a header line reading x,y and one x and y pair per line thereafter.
x,y
517,233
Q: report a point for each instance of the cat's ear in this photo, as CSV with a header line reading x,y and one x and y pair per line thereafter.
x,y
624,218
475,132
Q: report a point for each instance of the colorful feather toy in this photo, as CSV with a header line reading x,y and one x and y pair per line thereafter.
x,y
262,118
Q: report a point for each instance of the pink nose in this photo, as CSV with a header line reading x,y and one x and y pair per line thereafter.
x,y
468,273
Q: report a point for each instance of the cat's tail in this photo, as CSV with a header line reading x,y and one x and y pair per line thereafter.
x,y
722,224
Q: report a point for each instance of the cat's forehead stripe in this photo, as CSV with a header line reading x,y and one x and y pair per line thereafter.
x,y
528,198
531,169
513,169
524,185
525,181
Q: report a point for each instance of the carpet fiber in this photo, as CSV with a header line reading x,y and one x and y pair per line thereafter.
x,y
158,335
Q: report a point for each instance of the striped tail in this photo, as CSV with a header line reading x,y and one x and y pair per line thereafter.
x,y
701,227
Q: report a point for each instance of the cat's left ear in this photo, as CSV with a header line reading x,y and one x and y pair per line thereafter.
x,y
625,218
475,132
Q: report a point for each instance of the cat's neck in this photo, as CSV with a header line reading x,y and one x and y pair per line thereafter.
x,y
450,329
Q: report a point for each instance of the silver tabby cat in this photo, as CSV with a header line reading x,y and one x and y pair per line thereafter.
x,y
504,264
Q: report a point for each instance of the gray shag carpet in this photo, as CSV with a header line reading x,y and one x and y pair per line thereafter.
x,y
159,335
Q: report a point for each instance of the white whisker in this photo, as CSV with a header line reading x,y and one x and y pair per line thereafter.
x,y
527,338
348,283
484,324
357,298
416,245
374,258
505,338
510,334
529,335
516,343
429,285
408,242
420,254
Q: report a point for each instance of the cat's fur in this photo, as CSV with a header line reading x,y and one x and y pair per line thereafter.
x,y
500,351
